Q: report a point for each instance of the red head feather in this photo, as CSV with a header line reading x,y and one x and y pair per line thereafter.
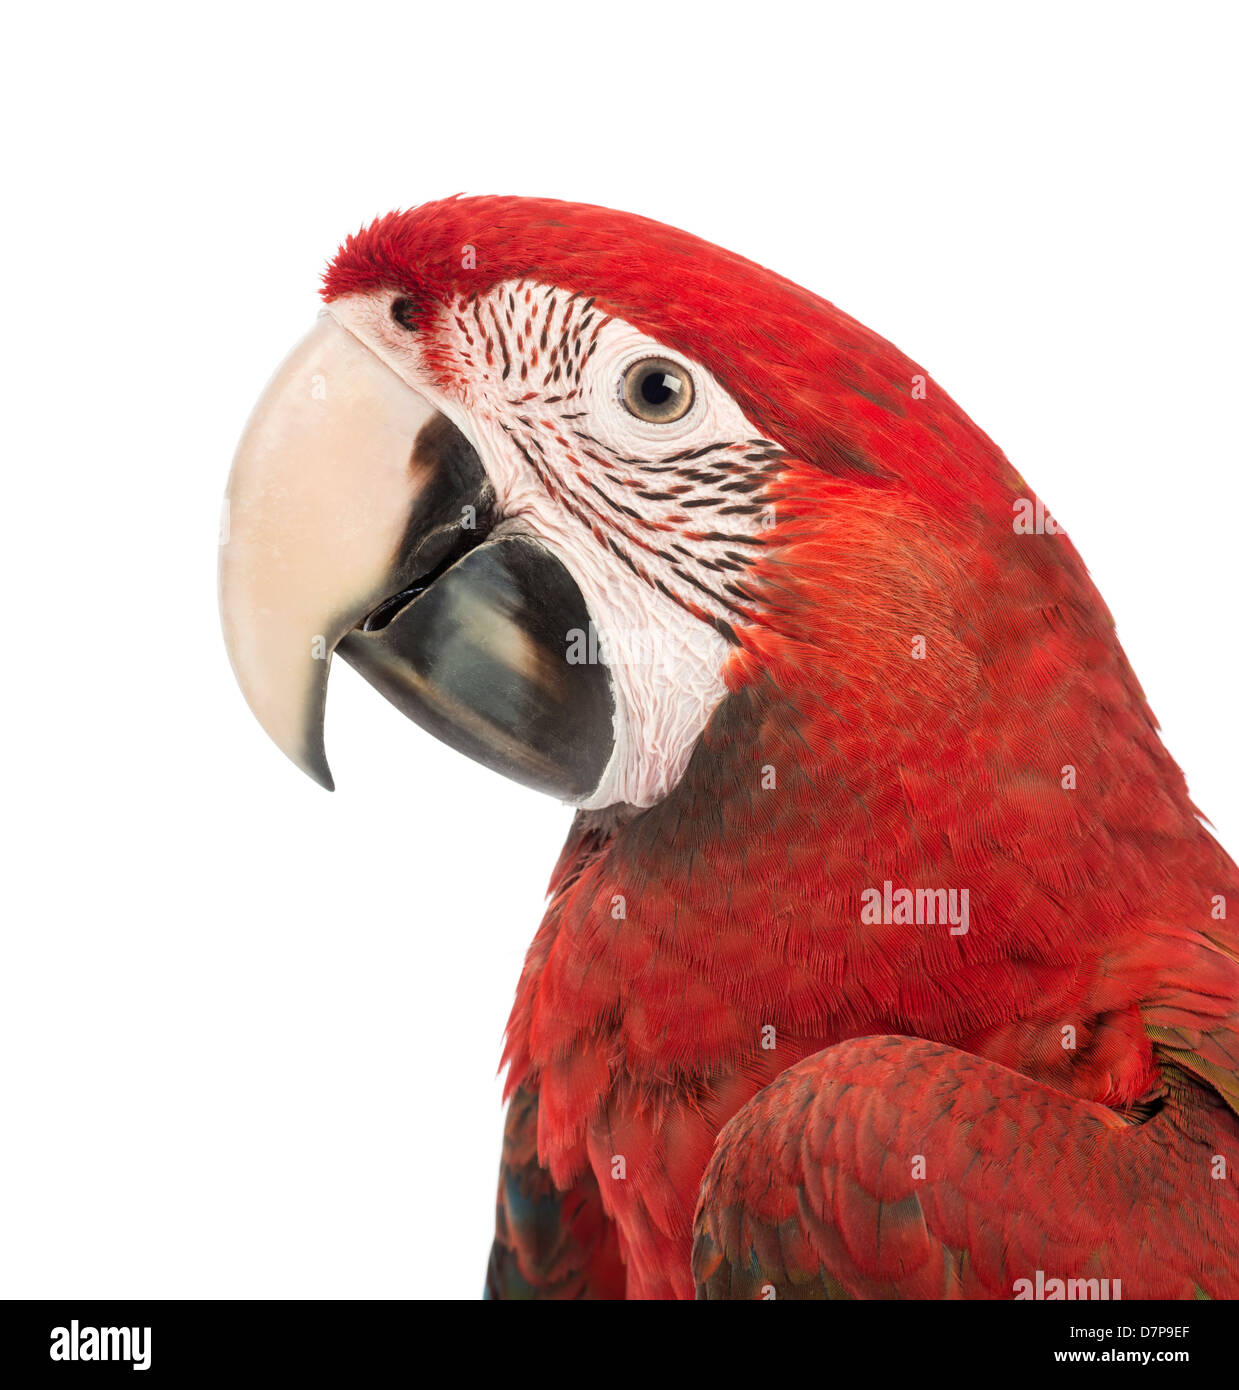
x,y
824,386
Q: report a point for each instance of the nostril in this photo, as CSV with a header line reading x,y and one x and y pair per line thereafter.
x,y
404,311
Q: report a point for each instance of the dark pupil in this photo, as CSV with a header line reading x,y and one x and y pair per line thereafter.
x,y
658,387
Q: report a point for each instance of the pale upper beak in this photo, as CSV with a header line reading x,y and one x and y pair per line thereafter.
x,y
359,518
307,557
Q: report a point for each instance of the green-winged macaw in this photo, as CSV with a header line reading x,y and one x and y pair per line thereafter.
x,y
887,956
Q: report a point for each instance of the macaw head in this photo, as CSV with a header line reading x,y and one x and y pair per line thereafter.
x,y
553,478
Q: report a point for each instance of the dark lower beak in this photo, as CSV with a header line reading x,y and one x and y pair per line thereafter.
x,y
479,658
359,519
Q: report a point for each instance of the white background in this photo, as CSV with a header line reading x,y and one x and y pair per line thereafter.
x,y
249,1031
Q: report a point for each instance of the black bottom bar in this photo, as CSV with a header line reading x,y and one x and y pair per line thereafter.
x,y
363,1343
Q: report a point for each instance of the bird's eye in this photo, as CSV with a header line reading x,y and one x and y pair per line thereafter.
x,y
658,390
404,312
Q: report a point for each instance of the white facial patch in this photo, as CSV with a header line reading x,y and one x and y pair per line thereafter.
x,y
658,523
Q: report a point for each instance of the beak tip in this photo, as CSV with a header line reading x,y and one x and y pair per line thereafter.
x,y
316,768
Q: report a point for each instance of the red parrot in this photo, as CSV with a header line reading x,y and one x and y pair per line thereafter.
x,y
887,955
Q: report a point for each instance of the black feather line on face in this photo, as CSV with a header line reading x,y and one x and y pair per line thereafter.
x,y
597,485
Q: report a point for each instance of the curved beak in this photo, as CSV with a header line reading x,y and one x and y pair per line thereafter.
x,y
351,514
322,487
